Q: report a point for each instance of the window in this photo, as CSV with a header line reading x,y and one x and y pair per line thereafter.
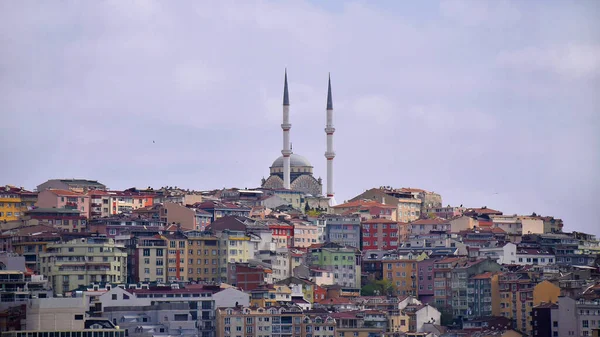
x,y
180,317
113,297
79,317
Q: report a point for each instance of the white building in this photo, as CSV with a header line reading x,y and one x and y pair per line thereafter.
x,y
534,256
506,254
511,224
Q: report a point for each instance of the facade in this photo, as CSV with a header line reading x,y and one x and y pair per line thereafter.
x,y
53,198
286,320
380,234
402,272
426,226
541,321
222,209
343,230
80,262
170,213
162,318
448,212
204,254
282,234
483,295
305,235
14,202
99,204
343,261
425,279
69,220
519,293
575,317
150,259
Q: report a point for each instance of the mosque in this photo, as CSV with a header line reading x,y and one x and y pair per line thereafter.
x,y
294,172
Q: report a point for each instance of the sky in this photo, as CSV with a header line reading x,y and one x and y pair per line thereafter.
x,y
489,103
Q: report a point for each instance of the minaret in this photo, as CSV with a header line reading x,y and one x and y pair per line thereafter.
x,y
329,130
286,126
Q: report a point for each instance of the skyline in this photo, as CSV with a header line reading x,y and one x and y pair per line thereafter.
x,y
487,103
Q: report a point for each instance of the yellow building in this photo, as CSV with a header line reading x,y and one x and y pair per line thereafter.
x,y
177,257
519,293
80,262
14,201
398,321
402,272
151,264
258,321
270,295
545,291
204,257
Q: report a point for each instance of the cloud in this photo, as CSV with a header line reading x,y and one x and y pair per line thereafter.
x,y
570,61
474,13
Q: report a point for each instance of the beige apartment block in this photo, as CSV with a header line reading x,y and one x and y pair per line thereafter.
x,y
78,262
152,255
204,254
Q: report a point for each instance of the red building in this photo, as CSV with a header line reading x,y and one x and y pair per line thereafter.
x,y
247,277
69,220
283,234
379,234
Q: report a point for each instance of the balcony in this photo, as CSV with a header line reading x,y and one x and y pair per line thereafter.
x,y
95,204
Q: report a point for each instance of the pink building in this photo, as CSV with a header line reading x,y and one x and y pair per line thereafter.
x,y
54,198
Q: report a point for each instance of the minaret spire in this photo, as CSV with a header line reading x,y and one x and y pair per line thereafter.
x,y
329,154
329,99
286,96
286,126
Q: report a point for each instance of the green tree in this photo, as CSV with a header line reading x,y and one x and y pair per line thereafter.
x,y
379,288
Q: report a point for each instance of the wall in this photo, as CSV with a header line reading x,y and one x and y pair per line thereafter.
x,y
180,214
55,314
545,292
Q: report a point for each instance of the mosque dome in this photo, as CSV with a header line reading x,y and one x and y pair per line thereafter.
x,y
295,161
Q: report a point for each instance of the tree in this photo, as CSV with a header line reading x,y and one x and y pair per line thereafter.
x,y
379,288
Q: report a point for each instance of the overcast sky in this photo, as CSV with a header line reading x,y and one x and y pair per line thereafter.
x,y
490,103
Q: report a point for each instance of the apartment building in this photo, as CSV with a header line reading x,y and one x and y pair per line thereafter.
x,y
14,201
150,259
79,262
519,293
284,321
426,226
344,230
402,271
177,256
483,295
54,198
305,235
204,256
343,261
460,275
575,317
380,234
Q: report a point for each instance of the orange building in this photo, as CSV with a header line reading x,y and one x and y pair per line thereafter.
x,y
402,272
